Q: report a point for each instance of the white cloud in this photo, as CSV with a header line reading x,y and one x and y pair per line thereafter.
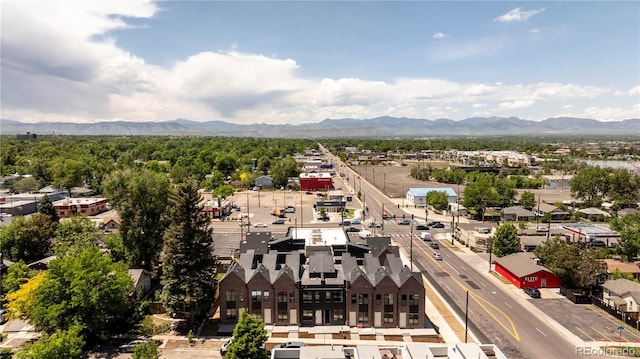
x,y
51,74
439,35
518,14
534,31
607,113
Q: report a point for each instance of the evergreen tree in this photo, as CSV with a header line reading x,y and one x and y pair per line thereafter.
x,y
188,261
46,207
506,240
249,337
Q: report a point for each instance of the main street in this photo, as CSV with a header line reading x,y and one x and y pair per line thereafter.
x,y
498,317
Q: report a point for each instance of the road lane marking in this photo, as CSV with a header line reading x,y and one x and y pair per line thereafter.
x,y
540,331
599,332
486,286
585,333
512,330
507,304
500,340
616,322
452,268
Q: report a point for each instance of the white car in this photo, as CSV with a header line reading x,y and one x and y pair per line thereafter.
x,y
542,229
437,256
260,225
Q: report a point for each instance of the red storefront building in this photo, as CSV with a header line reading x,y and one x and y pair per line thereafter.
x,y
522,270
316,181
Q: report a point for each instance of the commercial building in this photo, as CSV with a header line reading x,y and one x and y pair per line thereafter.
x,y
522,270
418,196
315,181
80,206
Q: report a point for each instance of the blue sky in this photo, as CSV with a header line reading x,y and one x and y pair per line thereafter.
x,y
305,61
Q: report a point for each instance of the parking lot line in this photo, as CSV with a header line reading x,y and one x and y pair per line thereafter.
x,y
604,335
616,322
585,333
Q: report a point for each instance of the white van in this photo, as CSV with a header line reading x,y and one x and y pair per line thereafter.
x,y
364,234
425,236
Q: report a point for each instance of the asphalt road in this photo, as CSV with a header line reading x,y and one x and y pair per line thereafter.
x,y
498,317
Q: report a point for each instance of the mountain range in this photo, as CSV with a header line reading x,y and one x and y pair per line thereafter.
x,y
382,127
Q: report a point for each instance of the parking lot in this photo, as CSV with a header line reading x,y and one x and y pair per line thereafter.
x,y
587,321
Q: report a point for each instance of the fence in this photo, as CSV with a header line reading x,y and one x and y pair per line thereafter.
x,y
629,320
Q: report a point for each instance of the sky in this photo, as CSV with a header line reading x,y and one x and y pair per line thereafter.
x,y
300,62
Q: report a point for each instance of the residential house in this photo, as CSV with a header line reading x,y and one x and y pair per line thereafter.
x,y
614,265
264,182
141,280
110,224
518,213
622,295
627,212
557,214
42,264
594,214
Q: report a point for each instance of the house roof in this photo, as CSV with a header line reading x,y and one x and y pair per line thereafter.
x,y
521,264
622,287
613,264
548,208
518,211
594,211
136,274
115,219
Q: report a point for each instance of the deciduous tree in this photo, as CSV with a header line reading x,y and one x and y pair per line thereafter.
x,y
505,240
249,337
27,239
527,200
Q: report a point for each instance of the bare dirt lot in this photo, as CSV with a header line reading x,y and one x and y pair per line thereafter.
x,y
396,180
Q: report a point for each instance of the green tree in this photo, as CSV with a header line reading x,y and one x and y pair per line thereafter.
x,y
25,185
590,267
575,266
17,274
188,260
27,239
46,207
629,228
69,173
75,233
60,344
86,289
624,188
249,337
438,200
590,183
224,191
527,200
617,274
282,170
148,350
141,199
505,240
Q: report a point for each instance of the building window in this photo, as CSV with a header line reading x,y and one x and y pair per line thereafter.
x,y
282,314
257,312
338,315
414,299
336,297
413,318
307,297
316,297
378,299
265,296
403,300
292,297
388,299
388,317
307,314
231,296
354,299
255,295
282,297
232,314
363,298
363,317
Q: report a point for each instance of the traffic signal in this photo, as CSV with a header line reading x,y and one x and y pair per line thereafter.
x,y
412,216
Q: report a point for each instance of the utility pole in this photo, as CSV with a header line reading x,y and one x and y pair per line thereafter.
x,y
411,246
301,212
248,217
466,318
382,223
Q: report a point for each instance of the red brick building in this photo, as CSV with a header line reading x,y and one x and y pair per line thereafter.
x,y
315,181
70,207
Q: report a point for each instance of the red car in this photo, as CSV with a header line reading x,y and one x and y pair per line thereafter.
x,y
385,216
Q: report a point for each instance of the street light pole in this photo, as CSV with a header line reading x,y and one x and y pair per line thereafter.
x,y
466,318
411,246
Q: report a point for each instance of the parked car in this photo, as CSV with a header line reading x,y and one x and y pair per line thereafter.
x,y
422,227
404,222
437,256
278,221
542,229
290,345
308,192
3,316
434,245
356,221
225,346
385,216
532,292
374,225
352,229
596,244
128,348
345,223
260,225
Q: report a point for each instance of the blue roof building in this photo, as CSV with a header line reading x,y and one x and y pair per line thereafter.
x,y
418,196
